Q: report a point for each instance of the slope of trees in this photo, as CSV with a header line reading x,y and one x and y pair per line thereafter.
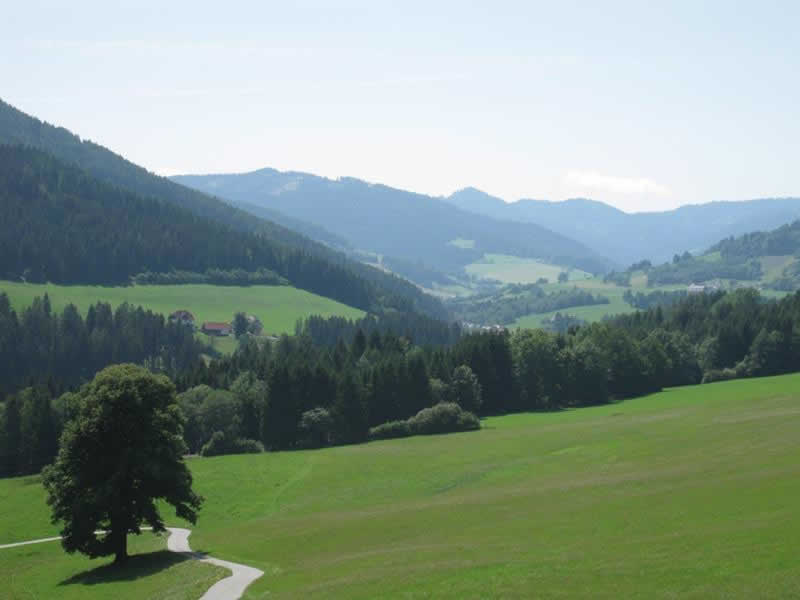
x,y
781,241
736,334
305,263
686,269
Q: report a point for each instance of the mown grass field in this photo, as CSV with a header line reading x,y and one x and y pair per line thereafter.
x,y
278,307
513,269
690,493
45,571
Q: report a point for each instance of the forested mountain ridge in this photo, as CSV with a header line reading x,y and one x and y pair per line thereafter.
x,y
781,241
59,224
307,258
770,257
396,223
629,237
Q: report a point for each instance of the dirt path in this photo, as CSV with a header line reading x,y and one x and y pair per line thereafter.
x,y
230,588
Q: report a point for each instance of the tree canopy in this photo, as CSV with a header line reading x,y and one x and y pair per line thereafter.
x,y
120,454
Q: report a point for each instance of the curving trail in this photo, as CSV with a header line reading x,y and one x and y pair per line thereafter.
x,y
230,588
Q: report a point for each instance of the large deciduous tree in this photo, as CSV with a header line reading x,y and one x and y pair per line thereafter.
x,y
121,453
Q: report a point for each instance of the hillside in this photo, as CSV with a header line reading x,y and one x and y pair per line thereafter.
x,y
769,258
277,307
629,237
314,266
396,223
687,493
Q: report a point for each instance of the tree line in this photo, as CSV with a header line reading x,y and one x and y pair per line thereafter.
x,y
62,350
297,393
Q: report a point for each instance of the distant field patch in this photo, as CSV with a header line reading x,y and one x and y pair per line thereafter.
x,y
513,269
278,307
462,243
773,266
591,314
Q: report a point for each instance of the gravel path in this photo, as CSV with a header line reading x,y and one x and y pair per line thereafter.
x,y
230,588
52,539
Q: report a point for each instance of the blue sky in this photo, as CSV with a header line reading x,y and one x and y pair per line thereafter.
x,y
644,105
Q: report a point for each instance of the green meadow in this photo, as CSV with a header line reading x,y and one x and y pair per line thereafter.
x,y
278,307
597,312
46,571
513,269
689,493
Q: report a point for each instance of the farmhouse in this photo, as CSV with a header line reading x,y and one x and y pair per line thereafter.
x,y
696,288
184,317
218,329
702,288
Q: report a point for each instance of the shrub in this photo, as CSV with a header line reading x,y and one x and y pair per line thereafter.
x,y
390,430
220,444
719,375
446,417
317,427
443,418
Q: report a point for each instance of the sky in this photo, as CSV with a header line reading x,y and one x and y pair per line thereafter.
x,y
643,105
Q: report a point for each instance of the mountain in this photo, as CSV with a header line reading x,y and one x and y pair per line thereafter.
x,y
630,237
396,223
305,263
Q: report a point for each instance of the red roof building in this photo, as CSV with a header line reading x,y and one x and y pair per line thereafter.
x,y
212,328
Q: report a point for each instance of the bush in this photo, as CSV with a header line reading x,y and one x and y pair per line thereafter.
x,y
719,375
220,444
317,427
446,417
390,430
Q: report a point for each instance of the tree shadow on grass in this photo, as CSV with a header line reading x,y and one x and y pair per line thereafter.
x,y
136,567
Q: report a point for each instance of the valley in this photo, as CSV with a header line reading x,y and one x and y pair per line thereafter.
x,y
414,301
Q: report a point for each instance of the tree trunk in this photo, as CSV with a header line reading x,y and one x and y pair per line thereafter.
x,y
120,546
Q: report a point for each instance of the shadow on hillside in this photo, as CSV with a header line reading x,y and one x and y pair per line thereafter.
x,y
138,565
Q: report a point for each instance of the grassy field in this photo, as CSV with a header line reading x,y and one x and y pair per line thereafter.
x,y
614,293
773,266
46,571
512,269
278,307
590,314
690,493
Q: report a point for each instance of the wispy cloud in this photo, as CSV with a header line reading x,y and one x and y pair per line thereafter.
x,y
592,180
169,46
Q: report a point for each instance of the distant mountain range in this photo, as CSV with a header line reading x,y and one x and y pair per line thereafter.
x,y
396,223
629,237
